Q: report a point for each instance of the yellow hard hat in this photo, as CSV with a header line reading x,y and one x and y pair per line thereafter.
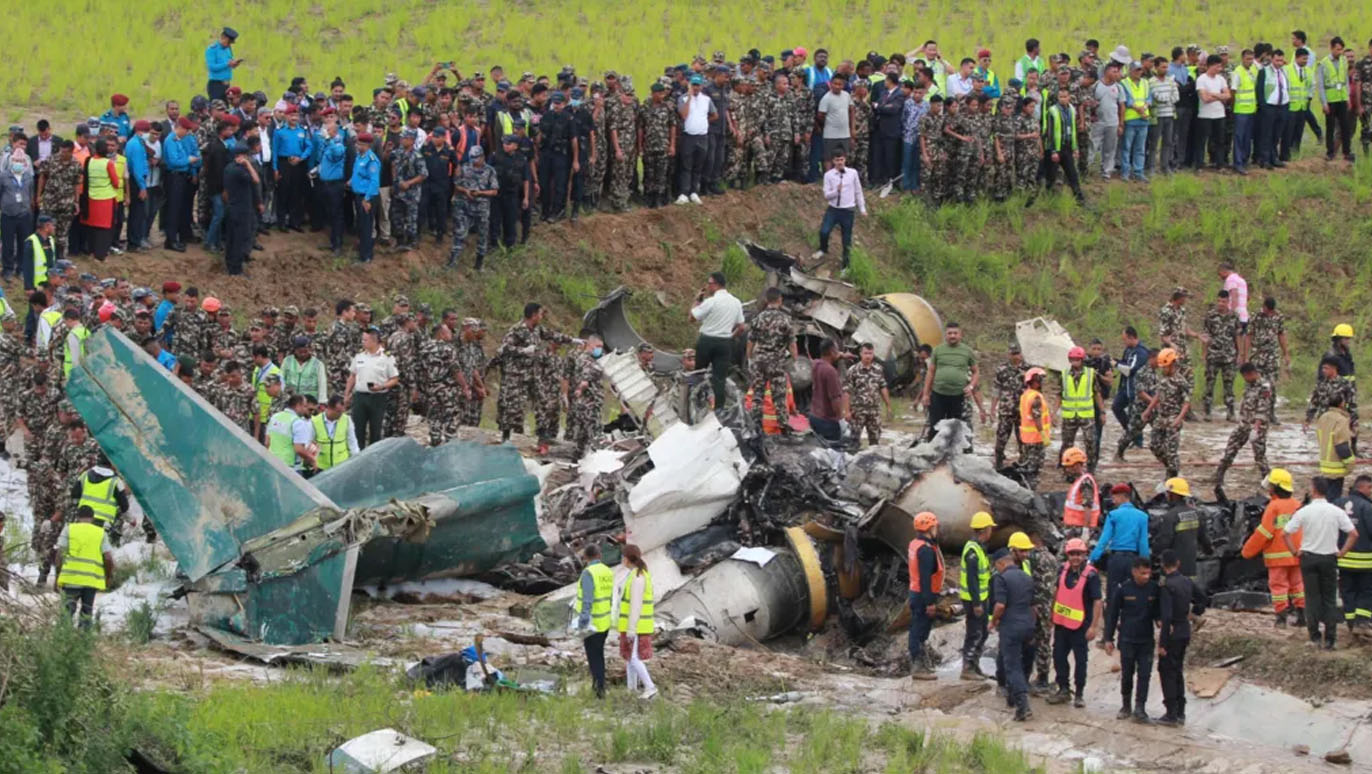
x,y
1021,542
1167,356
1280,477
982,520
1178,486
1343,330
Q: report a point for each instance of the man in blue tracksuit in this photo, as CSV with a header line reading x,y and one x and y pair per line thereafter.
x,y
1125,536
366,187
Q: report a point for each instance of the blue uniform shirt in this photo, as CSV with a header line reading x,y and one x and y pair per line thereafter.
x,y
164,308
289,142
366,179
1126,529
217,60
333,152
122,120
167,360
137,154
178,152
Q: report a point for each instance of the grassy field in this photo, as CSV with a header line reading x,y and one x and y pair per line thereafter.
x,y
155,51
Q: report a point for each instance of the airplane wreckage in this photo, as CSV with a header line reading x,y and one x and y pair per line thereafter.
x,y
748,536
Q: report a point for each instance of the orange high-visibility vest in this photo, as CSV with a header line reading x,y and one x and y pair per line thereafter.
x,y
1076,513
913,561
1028,431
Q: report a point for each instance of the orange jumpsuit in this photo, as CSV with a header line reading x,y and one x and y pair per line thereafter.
x,y
1279,553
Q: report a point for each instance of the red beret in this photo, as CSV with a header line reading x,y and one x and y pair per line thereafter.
x,y
328,111
365,137
1119,489
142,125
231,120
119,99
171,287
983,52
234,90
186,123
292,109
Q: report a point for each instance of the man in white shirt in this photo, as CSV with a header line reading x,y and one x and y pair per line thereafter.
x,y
697,110
1238,303
371,376
960,82
720,315
1319,523
843,193
1212,92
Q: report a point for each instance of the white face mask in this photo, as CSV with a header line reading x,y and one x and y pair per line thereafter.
x,y
17,168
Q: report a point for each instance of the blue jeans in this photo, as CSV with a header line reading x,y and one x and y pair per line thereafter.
x,y
1244,125
214,235
920,626
909,167
1135,149
843,218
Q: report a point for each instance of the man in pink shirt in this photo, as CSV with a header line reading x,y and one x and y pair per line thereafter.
x,y
1238,303
843,192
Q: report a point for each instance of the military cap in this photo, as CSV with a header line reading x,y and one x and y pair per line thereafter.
x,y
1193,47
718,56
645,347
230,33
64,265
292,310
44,219
88,277
400,299
558,97
1180,291
225,308
477,76
1221,49
526,76
472,322
300,341
107,282
66,406
510,138
272,378
502,85
270,311
120,315
367,308
16,129
260,325
218,104
140,293
9,316
1014,348
391,78
657,86
700,58
410,134
475,152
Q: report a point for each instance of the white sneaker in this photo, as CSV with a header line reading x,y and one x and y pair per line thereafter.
x,y
695,199
682,199
649,694
816,255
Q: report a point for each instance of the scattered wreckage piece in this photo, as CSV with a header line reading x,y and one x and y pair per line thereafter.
x,y
266,554
1044,343
656,403
333,656
609,319
379,752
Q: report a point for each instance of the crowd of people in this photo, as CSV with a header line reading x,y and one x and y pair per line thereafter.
x,y
454,155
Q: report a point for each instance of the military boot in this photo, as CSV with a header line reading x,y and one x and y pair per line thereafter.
x,y
1281,620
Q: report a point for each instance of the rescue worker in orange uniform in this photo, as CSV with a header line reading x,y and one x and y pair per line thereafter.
x,y
1076,620
1081,510
1035,427
1280,551
925,562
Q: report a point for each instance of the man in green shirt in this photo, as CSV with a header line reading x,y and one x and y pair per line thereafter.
x,y
951,378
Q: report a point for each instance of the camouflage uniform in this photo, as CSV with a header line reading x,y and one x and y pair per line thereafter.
x,y
343,340
1027,154
862,138
1008,386
623,119
1363,73
583,417
863,385
1254,411
405,203
595,183
1084,101
962,157
658,122
74,460
1266,350
281,338
1221,356
471,361
192,335
518,355
1002,177
222,340
438,389
1324,392
59,195
781,130
237,403
549,370
1173,392
472,212
39,415
1172,329
934,173
1145,382
772,332
803,112
204,205
11,350
402,345
1031,454
1043,566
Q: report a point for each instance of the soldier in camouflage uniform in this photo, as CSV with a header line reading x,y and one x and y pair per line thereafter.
x,y
13,353
206,131
403,345
861,153
283,333
1169,406
595,182
659,146
621,111
934,154
1043,568
586,396
864,385
235,397
1078,371
1031,452
803,111
34,413
471,372
343,340
1002,156
518,354
753,155
960,133
1256,407
1221,325
1028,155
1145,388
783,131
771,350
549,390
224,341
400,307
1362,73
1006,388
58,182
79,453
1174,330
437,388
1267,330
1328,385
1084,100
475,186
408,174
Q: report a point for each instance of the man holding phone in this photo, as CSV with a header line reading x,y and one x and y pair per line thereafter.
x,y
371,377
220,63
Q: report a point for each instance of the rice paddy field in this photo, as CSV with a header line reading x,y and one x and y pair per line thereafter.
x,y
69,55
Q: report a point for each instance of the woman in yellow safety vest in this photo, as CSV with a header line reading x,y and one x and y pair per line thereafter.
x,y
100,198
634,620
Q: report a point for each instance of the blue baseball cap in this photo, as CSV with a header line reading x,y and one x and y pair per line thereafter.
x,y
696,80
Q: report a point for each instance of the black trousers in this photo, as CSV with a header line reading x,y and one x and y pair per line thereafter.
x,y
556,169
1069,641
1292,129
1334,487
505,209
1013,661
14,229
1320,572
369,417
692,154
885,159
1136,670
943,407
433,205
595,661
1342,118
177,222
974,639
1355,588
714,164
240,230
290,192
140,219
1068,164
366,239
85,597
216,89
331,192
1171,675
1118,568
717,354
1208,133
1271,128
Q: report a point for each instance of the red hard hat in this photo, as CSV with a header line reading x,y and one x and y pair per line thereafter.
x,y
1076,352
106,310
1074,545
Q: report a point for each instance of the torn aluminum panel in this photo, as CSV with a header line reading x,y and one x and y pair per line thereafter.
x,y
1044,343
654,408
697,470
380,752
609,319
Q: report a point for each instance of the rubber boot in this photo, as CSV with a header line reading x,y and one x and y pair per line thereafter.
x,y
1281,620
1299,620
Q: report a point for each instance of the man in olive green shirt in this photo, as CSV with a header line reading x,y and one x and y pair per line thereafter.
x,y
951,378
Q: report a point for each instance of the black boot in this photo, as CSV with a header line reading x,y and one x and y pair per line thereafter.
x,y
1281,620
1299,619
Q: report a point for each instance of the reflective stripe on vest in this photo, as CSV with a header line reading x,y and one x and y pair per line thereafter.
x,y
983,573
1078,396
100,497
912,560
68,356
1298,84
1329,464
1335,75
604,588
40,260
264,401
1245,96
100,184
1356,560
1069,604
645,613
1137,96
332,450
1075,513
279,441
1276,549
1028,431
1054,127
83,563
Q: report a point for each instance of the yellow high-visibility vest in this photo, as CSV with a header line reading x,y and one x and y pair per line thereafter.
x,y
100,497
333,450
1078,395
1335,73
645,613
604,580
1245,96
83,563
